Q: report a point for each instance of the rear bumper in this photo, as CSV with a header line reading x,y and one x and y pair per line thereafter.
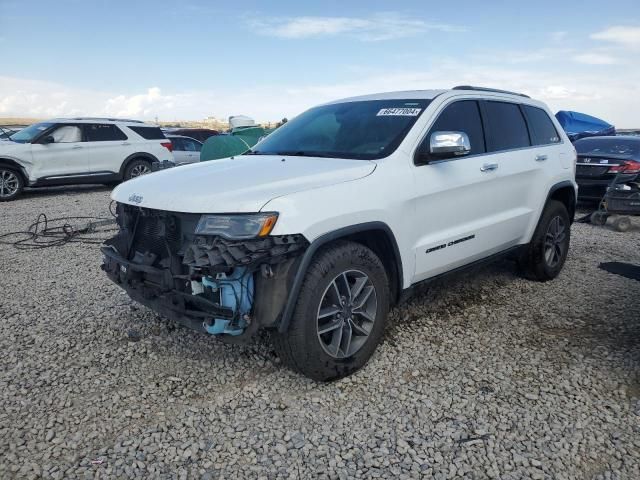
x,y
594,189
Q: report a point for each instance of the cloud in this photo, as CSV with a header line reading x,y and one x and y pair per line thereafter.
x,y
558,36
595,58
616,98
378,27
622,35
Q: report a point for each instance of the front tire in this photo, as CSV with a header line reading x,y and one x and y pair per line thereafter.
x,y
11,184
340,315
546,254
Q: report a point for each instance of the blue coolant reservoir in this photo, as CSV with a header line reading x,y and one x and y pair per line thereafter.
x,y
236,293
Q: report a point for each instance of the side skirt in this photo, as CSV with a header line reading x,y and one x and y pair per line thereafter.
x,y
408,293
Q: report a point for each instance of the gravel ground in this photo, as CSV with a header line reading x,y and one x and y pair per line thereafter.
x,y
484,376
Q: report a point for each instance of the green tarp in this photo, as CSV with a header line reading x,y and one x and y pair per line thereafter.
x,y
236,143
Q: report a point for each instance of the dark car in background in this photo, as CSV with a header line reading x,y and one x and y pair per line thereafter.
x,y
601,159
200,134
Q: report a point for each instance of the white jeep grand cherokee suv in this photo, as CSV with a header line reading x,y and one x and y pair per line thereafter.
x,y
79,150
333,218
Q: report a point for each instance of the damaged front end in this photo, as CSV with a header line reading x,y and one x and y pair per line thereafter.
x,y
228,287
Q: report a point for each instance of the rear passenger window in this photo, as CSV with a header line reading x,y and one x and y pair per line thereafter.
x,y
543,132
177,144
103,133
507,128
149,133
462,116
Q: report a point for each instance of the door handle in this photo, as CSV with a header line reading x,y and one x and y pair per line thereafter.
x,y
488,167
75,147
126,143
541,158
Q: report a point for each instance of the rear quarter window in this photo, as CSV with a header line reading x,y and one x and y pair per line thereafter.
x,y
103,133
543,131
149,133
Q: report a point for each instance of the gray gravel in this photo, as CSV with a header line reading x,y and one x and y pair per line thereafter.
x,y
484,376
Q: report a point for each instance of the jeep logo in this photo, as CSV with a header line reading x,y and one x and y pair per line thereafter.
x,y
135,198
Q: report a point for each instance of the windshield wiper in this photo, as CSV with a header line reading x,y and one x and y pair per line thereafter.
x,y
302,153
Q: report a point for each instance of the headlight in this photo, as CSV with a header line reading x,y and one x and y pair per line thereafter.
x,y
237,226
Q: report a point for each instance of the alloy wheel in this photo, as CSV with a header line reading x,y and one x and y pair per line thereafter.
x,y
9,183
139,169
554,243
346,314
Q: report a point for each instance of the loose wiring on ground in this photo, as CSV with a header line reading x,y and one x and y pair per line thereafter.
x,y
45,232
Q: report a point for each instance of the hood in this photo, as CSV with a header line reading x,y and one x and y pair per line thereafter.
x,y
240,184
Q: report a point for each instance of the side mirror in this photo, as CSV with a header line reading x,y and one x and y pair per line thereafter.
x,y
48,139
449,144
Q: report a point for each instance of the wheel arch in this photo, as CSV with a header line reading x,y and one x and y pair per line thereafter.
x,y
135,156
565,193
7,162
377,236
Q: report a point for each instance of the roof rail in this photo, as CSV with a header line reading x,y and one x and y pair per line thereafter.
x,y
105,119
484,89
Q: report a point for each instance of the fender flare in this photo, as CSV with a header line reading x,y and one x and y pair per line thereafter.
x,y
324,240
558,186
7,162
133,156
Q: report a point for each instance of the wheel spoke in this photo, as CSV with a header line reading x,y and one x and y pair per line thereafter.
x,y
336,340
346,338
346,314
364,314
359,302
342,285
328,311
357,287
359,329
329,327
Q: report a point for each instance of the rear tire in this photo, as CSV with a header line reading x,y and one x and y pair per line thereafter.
x,y
546,254
331,335
11,184
137,168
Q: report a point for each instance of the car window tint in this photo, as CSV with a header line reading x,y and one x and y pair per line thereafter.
x,y
462,116
190,146
507,128
177,144
67,134
543,131
103,133
149,133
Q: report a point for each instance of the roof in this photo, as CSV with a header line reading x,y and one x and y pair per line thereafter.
x,y
431,94
99,119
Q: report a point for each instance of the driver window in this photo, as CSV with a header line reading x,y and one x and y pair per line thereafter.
x,y
461,116
67,134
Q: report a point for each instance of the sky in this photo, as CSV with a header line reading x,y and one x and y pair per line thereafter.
x,y
191,59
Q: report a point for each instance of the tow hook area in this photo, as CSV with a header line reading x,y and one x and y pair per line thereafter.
x,y
235,292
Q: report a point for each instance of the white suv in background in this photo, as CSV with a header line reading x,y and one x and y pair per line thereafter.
x,y
338,214
79,150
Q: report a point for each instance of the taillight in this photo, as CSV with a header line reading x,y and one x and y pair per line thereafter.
x,y
168,146
627,167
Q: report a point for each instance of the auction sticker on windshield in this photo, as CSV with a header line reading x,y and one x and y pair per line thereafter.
x,y
399,112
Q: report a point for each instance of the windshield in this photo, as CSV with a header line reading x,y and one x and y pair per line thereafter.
x,y
27,135
360,130
609,146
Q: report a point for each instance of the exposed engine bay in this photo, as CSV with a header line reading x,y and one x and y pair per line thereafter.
x,y
225,287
